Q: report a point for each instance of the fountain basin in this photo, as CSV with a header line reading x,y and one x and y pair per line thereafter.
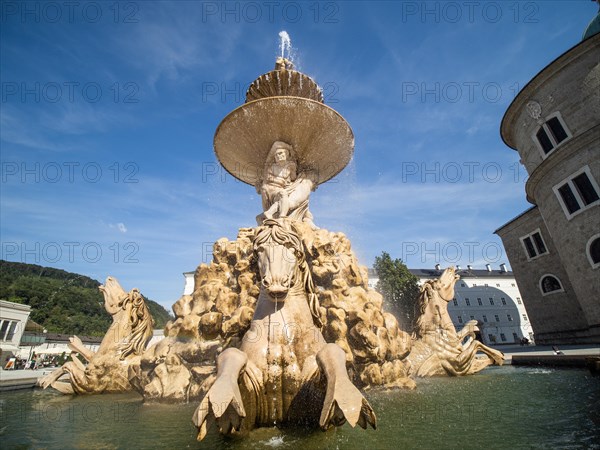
x,y
321,137
502,407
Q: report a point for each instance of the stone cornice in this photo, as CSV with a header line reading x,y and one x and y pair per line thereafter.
x,y
14,306
511,221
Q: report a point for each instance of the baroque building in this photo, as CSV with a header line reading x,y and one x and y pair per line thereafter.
x,y
554,246
13,318
489,296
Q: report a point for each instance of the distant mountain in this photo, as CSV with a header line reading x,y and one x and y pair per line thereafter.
x,y
63,302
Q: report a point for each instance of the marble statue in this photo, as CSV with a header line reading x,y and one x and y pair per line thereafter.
x,y
284,191
122,346
438,349
284,363
280,171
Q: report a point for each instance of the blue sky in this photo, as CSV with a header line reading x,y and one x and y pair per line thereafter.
x,y
109,109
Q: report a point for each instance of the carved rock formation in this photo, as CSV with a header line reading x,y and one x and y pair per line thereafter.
x,y
220,310
284,370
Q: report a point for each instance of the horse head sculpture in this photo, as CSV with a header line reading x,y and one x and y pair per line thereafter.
x,y
438,349
122,346
282,264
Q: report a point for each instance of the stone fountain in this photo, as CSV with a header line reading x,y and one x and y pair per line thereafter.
x,y
282,326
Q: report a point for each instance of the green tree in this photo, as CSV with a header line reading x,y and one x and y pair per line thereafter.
x,y
399,287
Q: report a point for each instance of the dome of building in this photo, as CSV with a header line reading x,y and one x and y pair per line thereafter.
x,y
593,28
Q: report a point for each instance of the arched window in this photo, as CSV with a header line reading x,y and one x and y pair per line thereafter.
x,y
549,284
593,251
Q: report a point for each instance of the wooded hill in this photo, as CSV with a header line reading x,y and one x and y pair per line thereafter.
x,y
62,302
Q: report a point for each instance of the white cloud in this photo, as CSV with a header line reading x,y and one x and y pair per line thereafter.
x,y
172,40
119,226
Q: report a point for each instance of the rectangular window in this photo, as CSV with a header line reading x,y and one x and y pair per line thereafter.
x,y
503,337
568,198
455,302
492,338
519,301
529,247
513,284
467,302
515,337
497,284
544,140
503,300
460,319
525,317
509,317
551,134
472,317
11,331
539,243
534,245
497,317
558,132
491,301
484,318
3,328
586,190
479,302
486,284
578,192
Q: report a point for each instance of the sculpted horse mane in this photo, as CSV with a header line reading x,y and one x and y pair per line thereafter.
x,y
284,370
432,310
272,231
438,349
141,323
122,346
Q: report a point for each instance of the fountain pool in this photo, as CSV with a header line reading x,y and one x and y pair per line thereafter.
x,y
502,407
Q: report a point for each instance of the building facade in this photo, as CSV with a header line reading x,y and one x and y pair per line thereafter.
x,y
554,247
13,318
188,288
57,344
491,297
